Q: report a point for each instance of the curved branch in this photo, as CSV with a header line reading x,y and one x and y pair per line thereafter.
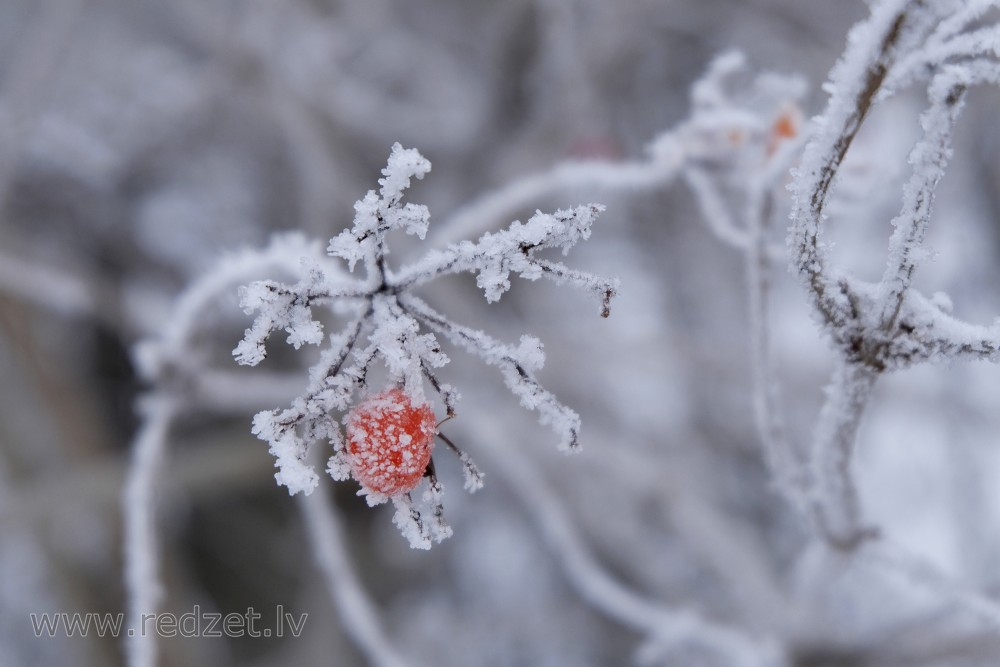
x,y
663,626
142,576
507,202
857,80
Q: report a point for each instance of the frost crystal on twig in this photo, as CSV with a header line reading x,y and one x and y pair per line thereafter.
x,y
394,328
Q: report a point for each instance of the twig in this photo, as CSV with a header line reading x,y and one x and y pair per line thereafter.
x,y
142,580
358,615
662,625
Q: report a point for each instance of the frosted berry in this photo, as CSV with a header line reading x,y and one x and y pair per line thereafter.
x,y
389,442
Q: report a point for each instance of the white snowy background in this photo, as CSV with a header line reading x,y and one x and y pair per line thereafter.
x,y
148,153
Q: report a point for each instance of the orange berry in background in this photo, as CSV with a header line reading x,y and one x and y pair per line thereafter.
x,y
786,126
389,441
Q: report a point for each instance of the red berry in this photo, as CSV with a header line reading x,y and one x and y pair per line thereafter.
x,y
389,442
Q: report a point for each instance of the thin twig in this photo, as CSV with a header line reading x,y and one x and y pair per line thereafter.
x,y
142,580
358,615
661,624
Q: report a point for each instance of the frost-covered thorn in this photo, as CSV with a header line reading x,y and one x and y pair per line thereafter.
x,y
448,395
439,529
606,302
473,477
410,522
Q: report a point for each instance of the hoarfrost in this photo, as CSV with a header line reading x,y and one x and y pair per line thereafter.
x,y
400,332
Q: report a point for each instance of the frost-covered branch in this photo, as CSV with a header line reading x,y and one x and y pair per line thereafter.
x,y
875,327
888,325
788,471
756,131
390,433
855,82
309,416
660,168
950,41
860,80
517,364
927,577
288,309
835,504
166,360
161,355
357,610
720,128
663,627
495,256
929,159
142,580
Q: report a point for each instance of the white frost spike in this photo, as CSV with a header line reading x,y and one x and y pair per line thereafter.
x,y
438,528
404,163
339,467
529,353
410,522
288,308
289,453
472,475
378,213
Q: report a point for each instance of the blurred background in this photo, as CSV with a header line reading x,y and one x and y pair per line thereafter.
x,y
141,141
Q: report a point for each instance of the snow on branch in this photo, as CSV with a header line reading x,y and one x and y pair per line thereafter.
x,y
729,117
390,431
159,355
167,361
888,325
663,627
142,581
513,250
379,213
744,132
